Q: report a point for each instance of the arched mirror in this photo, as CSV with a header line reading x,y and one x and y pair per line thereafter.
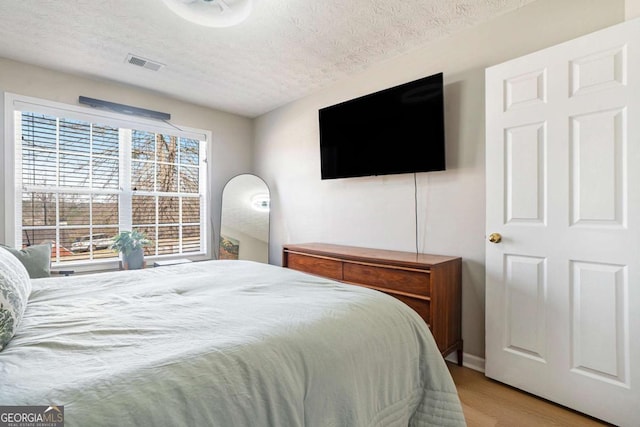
x,y
244,231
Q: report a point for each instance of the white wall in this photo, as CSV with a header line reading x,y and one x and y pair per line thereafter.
x,y
379,211
232,134
632,9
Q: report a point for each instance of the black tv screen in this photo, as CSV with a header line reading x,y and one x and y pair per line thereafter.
x,y
396,130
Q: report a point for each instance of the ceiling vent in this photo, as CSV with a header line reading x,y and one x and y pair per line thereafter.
x,y
144,63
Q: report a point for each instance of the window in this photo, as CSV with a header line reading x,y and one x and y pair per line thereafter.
x,y
82,177
166,204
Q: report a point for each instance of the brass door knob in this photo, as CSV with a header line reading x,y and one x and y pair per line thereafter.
x,y
495,238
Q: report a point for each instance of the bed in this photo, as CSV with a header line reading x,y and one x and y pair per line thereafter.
x,y
224,343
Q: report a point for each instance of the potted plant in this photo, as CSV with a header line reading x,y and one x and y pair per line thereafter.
x,y
131,245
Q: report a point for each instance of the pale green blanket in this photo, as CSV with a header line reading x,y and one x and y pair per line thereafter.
x,y
225,343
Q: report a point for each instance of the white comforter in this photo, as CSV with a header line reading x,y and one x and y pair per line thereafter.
x,y
225,343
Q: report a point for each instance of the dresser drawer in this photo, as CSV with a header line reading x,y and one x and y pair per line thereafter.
x,y
410,281
320,266
422,307
429,284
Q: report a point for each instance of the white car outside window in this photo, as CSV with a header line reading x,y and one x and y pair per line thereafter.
x,y
99,241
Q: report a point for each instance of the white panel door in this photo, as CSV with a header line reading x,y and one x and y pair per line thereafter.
x,y
563,191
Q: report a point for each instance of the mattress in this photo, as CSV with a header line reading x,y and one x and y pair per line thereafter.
x,y
225,343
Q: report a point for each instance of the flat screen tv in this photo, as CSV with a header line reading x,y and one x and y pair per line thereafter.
x,y
393,131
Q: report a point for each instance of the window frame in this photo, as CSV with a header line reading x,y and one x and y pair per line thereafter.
x,y
14,103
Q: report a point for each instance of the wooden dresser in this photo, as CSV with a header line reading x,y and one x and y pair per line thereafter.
x,y
429,284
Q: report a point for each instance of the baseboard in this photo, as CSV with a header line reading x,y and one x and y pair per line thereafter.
x,y
468,361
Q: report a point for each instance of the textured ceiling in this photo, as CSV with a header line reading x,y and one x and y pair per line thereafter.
x,y
285,50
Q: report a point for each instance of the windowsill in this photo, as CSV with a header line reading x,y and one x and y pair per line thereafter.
x,y
113,264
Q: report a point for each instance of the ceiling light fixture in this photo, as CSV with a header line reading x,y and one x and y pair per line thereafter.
x,y
212,13
261,202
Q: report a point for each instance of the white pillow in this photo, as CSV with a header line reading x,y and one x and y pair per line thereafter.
x,y
15,287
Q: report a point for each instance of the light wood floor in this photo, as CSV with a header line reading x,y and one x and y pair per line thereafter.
x,y
489,403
